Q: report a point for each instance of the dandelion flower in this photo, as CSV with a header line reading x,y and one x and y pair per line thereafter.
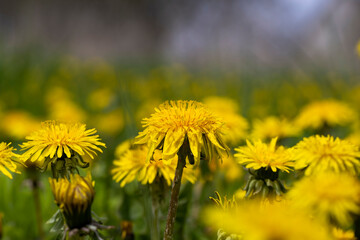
x,y
176,122
132,165
254,221
236,126
328,196
110,123
54,142
61,106
272,127
100,98
258,155
325,113
320,153
7,164
229,168
17,124
263,161
223,104
74,198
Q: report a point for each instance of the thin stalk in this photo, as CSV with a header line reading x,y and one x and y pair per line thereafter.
x,y
39,221
175,190
155,207
155,230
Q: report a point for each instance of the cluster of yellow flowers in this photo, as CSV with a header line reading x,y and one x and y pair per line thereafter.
x,y
323,196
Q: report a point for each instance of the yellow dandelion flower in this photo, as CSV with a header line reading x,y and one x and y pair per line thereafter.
x,y
327,112
329,196
100,98
60,106
229,167
255,221
132,165
110,123
74,199
258,155
7,164
340,234
146,109
58,141
123,147
320,153
18,124
236,126
175,122
221,104
272,126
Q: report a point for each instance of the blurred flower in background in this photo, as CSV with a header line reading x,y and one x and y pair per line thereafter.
x,y
236,126
329,197
317,154
271,127
17,124
326,113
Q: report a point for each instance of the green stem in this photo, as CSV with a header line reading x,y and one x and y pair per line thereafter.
x,y
170,221
39,221
155,231
155,207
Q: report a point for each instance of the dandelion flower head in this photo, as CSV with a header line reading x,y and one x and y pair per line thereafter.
x,y
56,140
175,122
328,196
327,112
61,106
256,221
228,167
258,155
222,104
272,126
236,126
7,164
18,124
324,153
132,165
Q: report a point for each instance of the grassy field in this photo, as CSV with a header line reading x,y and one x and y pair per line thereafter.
x,y
113,97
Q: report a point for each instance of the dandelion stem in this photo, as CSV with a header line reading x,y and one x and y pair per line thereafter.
x,y
38,212
175,190
155,207
155,228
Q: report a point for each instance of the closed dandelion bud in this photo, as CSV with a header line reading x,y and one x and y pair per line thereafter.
x,y
74,198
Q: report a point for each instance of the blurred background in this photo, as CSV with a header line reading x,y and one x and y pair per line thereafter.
x,y
208,34
109,63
